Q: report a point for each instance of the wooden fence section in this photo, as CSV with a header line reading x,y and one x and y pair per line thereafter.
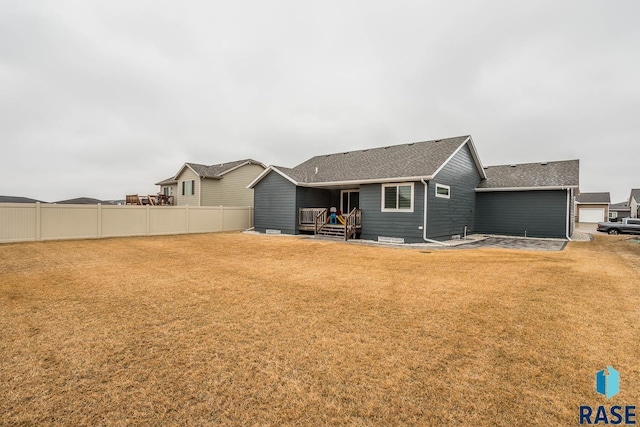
x,y
21,222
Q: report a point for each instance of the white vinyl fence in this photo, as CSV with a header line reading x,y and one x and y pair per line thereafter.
x,y
21,222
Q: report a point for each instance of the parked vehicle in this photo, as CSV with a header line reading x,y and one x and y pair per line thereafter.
x,y
626,225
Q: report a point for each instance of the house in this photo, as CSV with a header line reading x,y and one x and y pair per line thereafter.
x,y
18,199
224,184
592,207
619,210
634,203
417,192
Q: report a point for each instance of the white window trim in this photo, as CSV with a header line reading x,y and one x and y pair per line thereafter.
x,y
399,184
442,196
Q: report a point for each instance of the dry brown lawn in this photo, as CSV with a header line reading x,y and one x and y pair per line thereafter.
x,y
235,329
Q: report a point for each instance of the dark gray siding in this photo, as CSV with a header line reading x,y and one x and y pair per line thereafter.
x,y
448,217
315,198
514,213
275,204
390,224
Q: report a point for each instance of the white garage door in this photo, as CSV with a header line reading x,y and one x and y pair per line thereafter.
x,y
591,215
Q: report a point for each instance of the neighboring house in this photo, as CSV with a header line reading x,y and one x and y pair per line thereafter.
x,y
18,199
592,207
619,210
417,192
634,203
80,201
224,184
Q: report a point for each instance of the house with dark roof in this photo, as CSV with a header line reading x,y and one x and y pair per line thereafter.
x,y
592,207
418,192
222,184
619,210
634,203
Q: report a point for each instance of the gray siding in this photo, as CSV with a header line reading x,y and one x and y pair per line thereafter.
x,y
538,213
448,217
390,224
275,204
315,198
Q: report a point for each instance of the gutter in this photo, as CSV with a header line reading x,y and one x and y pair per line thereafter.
x,y
424,227
568,213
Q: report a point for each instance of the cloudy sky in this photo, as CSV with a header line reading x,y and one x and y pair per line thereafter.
x,y
102,99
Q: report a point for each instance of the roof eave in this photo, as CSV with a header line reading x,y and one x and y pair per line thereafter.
x,y
266,172
550,187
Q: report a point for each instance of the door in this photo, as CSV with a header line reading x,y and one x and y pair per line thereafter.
x,y
591,215
349,199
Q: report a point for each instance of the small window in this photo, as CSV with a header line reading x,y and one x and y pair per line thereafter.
x,y
613,215
633,221
397,197
443,191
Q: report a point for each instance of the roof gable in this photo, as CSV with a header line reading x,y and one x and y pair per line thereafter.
x,y
532,176
635,194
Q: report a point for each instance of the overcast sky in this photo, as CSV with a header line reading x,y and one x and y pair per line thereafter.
x,y
105,98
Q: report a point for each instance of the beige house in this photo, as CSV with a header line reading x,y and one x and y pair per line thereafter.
x,y
223,184
592,207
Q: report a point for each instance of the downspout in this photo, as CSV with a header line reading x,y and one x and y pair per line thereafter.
x,y
568,213
424,228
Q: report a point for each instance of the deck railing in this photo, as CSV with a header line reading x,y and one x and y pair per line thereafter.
x,y
351,223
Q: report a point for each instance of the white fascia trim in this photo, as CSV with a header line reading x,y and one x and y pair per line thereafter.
x,y
366,181
266,172
474,154
488,190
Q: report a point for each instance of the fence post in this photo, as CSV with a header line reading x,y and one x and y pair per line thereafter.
x,y
99,220
38,222
148,220
188,219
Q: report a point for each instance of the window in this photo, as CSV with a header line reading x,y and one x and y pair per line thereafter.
x,y
397,197
188,188
443,191
613,215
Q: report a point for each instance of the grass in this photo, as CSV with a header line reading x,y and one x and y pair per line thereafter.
x,y
234,329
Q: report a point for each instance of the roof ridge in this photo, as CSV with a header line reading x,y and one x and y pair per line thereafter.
x,y
384,147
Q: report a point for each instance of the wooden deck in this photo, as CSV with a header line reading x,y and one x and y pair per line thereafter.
x,y
318,221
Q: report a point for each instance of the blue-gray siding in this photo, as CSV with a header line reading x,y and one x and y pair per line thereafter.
x,y
376,223
536,213
448,217
275,204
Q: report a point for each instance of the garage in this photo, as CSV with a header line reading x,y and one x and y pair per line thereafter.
x,y
591,215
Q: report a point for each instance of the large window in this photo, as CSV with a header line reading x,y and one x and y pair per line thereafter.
x,y
188,188
397,197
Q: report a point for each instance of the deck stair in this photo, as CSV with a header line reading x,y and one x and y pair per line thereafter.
x,y
332,230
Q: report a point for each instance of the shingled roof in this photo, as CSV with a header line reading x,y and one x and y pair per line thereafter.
x,y
533,176
635,193
212,171
216,171
593,198
406,161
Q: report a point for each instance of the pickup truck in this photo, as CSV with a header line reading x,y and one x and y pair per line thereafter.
x,y
627,225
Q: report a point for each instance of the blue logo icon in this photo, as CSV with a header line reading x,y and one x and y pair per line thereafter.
x,y
608,383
